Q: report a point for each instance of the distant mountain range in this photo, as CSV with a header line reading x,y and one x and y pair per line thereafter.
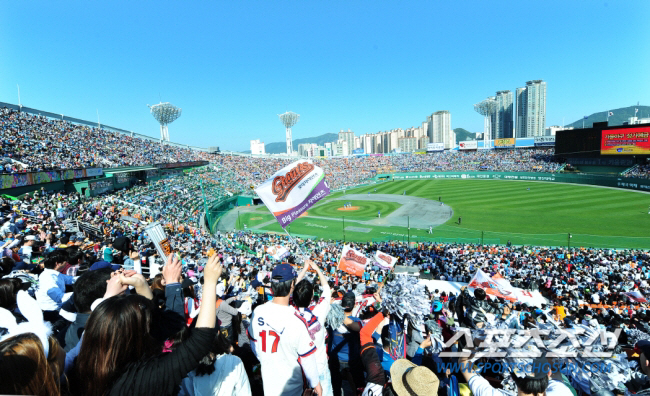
x,y
464,134
281,147
620,115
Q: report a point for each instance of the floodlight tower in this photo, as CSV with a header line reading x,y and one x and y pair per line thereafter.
x,y
165,113
289,119
486,108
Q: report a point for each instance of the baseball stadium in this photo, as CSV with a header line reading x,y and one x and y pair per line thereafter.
x,y
270,199
490,212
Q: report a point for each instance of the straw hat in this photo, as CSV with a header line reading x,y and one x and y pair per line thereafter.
x,y
409,379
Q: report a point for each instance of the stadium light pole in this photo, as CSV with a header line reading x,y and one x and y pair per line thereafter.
x,y
289,119
486,108
165,113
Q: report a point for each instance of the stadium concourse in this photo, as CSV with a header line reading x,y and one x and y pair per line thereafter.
x,y
89,308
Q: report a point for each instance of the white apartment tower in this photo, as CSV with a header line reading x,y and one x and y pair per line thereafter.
x,y
441,131
531,109
257,147
349,138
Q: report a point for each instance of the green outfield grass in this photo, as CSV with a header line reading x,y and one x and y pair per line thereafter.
x,y
497,211
358,210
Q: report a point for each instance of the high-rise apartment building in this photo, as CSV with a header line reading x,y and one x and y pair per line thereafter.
x,y
257,147
531,109
341,148
348,137
407,144
441,131
503,115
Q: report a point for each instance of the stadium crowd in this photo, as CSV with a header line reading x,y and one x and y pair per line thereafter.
x,y
638,171
89,307
37,143
351,171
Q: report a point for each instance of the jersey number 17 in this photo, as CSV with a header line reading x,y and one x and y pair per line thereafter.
x,y
274,348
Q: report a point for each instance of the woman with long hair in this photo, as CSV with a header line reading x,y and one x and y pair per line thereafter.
x,y
24,368
118,354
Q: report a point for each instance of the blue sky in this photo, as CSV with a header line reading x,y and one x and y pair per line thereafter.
x,y
364,65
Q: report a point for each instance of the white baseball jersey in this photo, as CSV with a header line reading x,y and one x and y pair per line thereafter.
x,y
280,337
317,329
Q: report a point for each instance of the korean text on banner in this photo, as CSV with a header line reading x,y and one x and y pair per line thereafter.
x,y
492,287
292,190
277,252
384,260
353,262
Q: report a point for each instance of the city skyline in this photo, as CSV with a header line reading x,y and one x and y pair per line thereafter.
x,y
232,68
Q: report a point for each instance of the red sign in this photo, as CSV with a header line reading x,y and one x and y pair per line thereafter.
x,y
626,141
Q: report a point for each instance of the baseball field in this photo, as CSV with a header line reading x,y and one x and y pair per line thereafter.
x,y
473,211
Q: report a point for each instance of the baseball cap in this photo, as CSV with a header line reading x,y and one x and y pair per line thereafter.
x,y
30,238
104,264
283,273
189,281
643,346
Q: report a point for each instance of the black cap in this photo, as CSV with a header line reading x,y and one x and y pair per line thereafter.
x,y
644,347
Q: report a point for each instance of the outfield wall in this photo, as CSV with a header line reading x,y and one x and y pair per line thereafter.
x,y
606,181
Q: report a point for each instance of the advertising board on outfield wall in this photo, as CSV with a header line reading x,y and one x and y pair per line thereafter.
x,y
468,145
608,181
435,147
625,141
504,143
544,141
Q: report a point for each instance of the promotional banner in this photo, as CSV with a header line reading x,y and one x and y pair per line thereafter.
x,y
504,143
45,177
468,145
384,260
15,180
358,151
626,141
292,190
93,172
67,174
492,287
353,262
435,147
277,252
100,186
122,178
544,140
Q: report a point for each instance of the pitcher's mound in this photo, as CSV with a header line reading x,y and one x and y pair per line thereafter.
x,y
304,214
256,218
350,208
